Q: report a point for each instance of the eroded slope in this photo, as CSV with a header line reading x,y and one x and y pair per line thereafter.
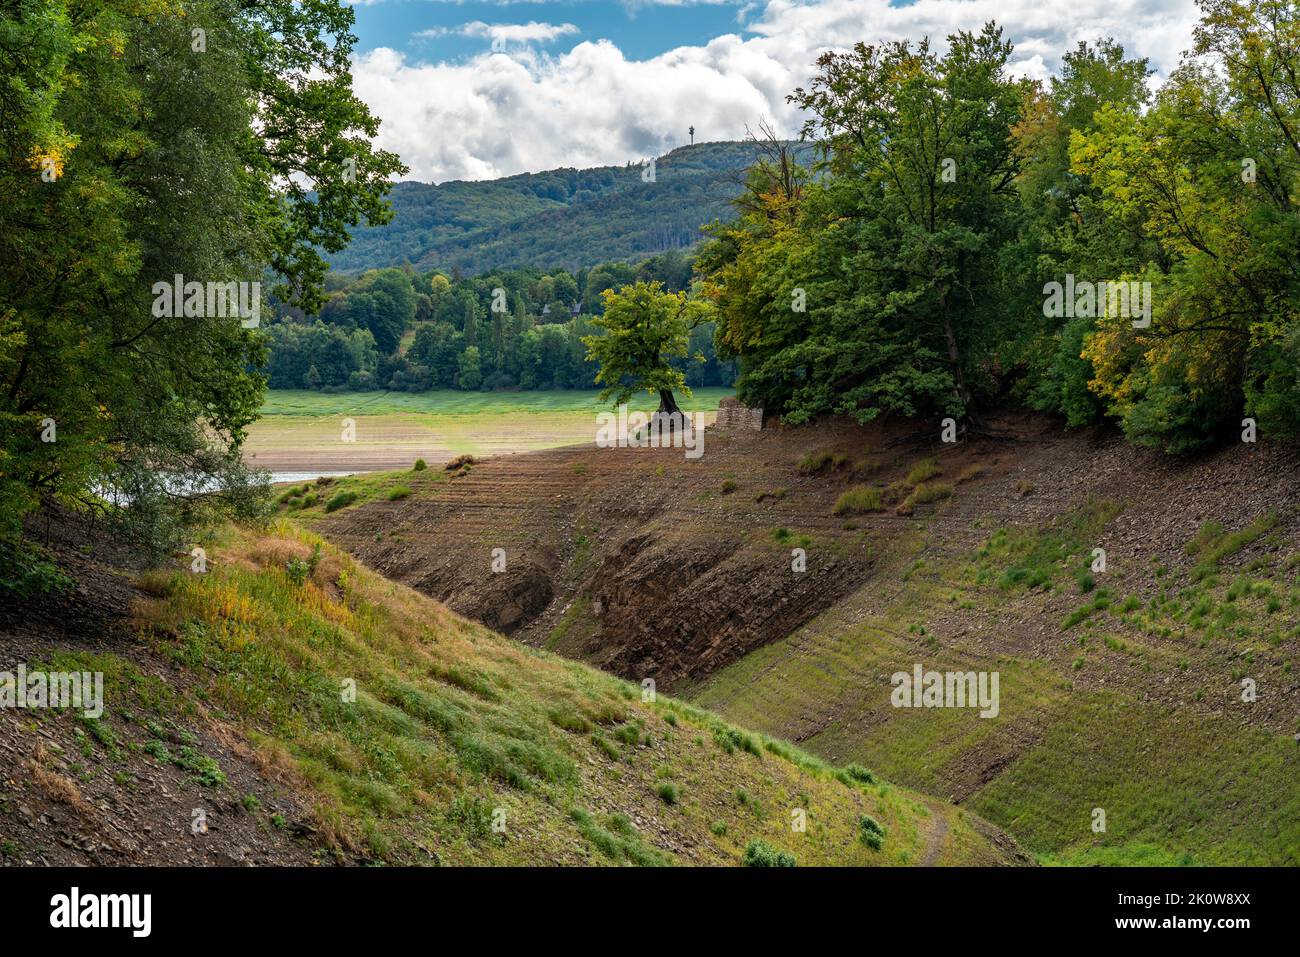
x,y
1122,690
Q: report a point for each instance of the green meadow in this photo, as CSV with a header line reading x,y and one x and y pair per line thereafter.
x,y
451,402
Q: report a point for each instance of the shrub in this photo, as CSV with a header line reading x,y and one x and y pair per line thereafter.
x,y
397,493
871,832
299,570
629,733
1086,582
27,569
761,854
858,773
728,486
668,793
340,500
419,466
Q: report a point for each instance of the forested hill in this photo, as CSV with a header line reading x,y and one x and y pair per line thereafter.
x,y
559,218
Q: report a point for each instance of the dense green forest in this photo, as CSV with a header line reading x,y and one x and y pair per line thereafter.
x,y
567,218
949,247
509,329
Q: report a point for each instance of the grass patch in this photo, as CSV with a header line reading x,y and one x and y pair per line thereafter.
x,y
821,461
340,500
923,471
1040,554
859,500
1212,544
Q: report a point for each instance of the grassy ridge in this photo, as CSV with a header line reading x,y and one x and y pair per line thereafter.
x,y
454,729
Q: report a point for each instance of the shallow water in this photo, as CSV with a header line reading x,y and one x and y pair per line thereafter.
x,y
306,476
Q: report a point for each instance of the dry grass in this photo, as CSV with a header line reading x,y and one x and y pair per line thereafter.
x,y
57,786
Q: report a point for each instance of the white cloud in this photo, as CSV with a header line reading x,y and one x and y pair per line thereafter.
x,y
504,113
503,33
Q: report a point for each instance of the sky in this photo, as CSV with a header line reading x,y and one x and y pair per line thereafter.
x,y
479,90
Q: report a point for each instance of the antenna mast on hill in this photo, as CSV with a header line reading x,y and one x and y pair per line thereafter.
x,y
692,132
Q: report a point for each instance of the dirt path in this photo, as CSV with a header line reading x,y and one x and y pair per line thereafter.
x,y
938,834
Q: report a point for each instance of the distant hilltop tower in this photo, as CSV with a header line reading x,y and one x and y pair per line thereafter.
x,y
692,132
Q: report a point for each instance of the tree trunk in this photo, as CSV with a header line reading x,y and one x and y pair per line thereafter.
x,y
669,418
954,357
667,404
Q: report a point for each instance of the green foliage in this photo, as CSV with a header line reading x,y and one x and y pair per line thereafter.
x,y
910,275
761,854
26,570
299,570
1209,175
130,160
871,832
508,329
472,815
857,772
643,328
874,288
340,500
